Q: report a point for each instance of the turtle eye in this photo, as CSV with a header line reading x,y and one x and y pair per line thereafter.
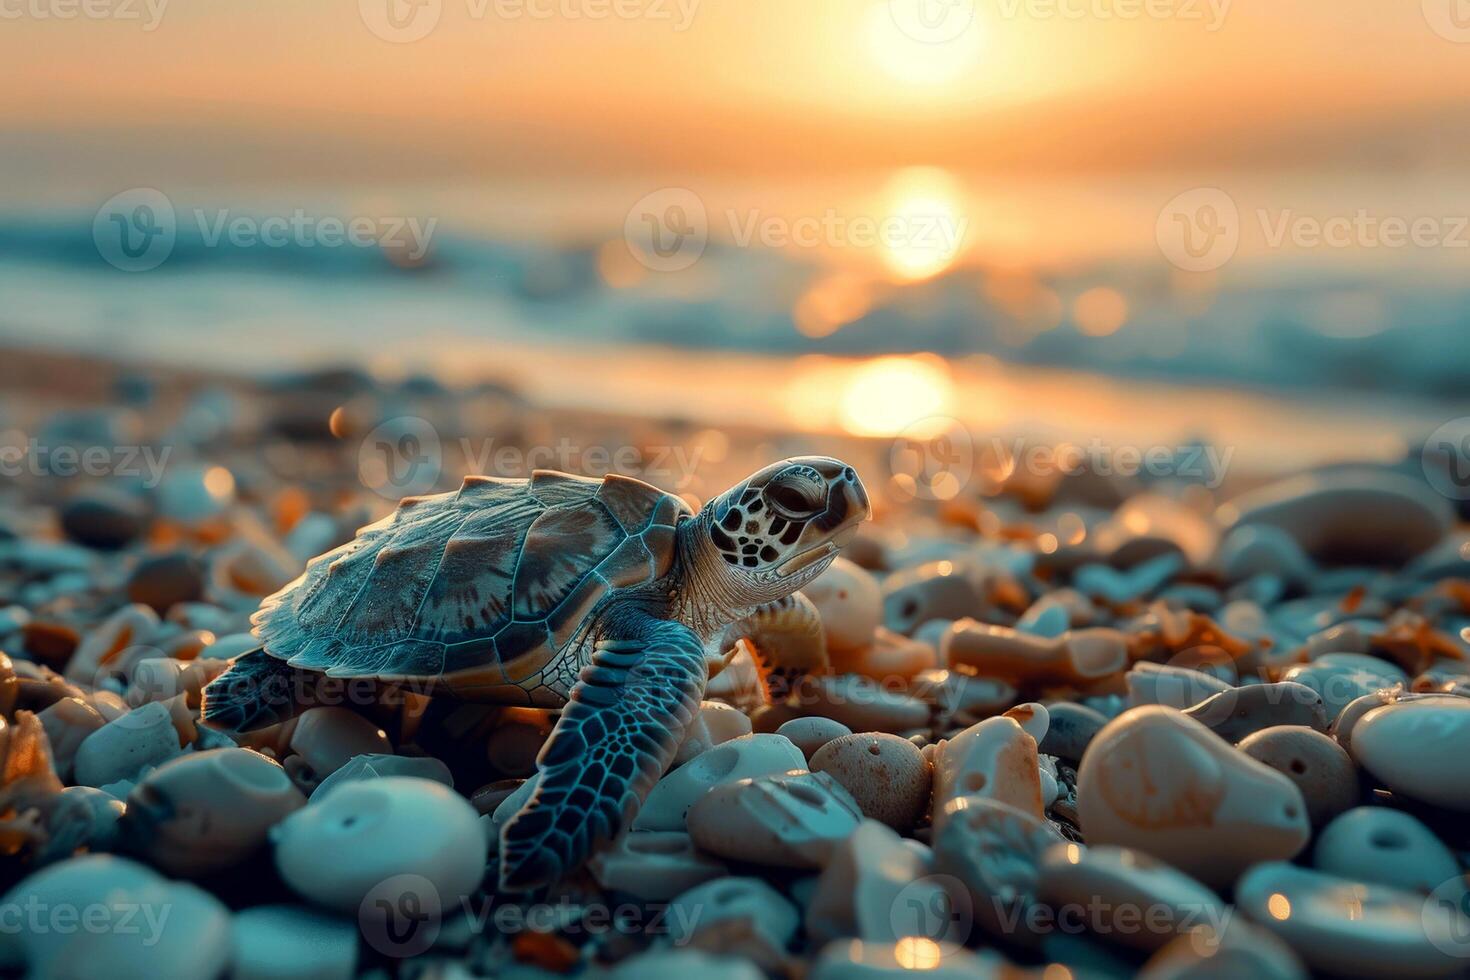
x,y
795,495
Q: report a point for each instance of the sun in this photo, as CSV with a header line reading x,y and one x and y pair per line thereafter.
x,y
926,205
915,57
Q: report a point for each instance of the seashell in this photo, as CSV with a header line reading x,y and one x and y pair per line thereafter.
x,y
995,759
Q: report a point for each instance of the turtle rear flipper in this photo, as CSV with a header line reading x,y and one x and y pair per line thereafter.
x,y
617,735
257,691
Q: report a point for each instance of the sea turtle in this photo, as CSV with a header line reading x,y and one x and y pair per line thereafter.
x,y
596,596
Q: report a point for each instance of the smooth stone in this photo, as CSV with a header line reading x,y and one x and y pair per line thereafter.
x,y
1241,711
1071,728
325,739
1138,901
935,590
868,888
1174,687
733,914
164,580
850,602
393,833
1001,652
207,811
68,723
292,942
1046,618
1353,515
1148,524
1254,550
888,776
790,820
1160,782
668,803
723,722
379,766
1238,949
1033,717
162,678
1386,846
1120,587
108,645
863,704
104,519
963,698
118,919
654,865
854,959
1318,765
1352,928
189,493
143,737
995,849
890,656
810,734
1420,749
995,759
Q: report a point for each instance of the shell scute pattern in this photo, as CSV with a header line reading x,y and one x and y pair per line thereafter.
x,y
489,581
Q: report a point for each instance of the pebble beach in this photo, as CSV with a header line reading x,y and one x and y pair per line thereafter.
x,y
1061,721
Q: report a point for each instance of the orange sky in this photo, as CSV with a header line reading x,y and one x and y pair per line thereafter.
x,y
289,88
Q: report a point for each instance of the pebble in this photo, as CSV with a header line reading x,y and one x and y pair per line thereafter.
x,y
382,838
1160,782
325,739
1254,550
1118,587
292,942
1239,712
858,960
996,850
936,590
1385,846
1353,928
863,705
1135,900
1071,727
108,647
1351,515
1174,687
736,915
851,603
869,886
104,519
1419,748
654,865
1318,765
888,776
810,734
1234,948
995,759
192,492
999,651
68,722
668,803
109,916
1046,618
379,765
788,820
120,749
963,698
164,580
207,811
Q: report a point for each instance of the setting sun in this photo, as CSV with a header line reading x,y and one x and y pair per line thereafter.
x,y
914,57
924,207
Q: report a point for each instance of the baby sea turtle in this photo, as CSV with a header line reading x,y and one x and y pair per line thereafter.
x,y
596,595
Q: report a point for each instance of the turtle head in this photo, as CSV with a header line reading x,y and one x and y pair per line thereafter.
x,y
780,528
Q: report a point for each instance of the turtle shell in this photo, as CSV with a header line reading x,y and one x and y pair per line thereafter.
x,y
478,589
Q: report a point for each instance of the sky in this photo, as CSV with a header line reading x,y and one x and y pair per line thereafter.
x,y
325,91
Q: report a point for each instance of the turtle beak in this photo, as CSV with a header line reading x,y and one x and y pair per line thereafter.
x,y
847,508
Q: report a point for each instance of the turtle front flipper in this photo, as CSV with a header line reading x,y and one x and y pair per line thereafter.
x,y
616,736
787,640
